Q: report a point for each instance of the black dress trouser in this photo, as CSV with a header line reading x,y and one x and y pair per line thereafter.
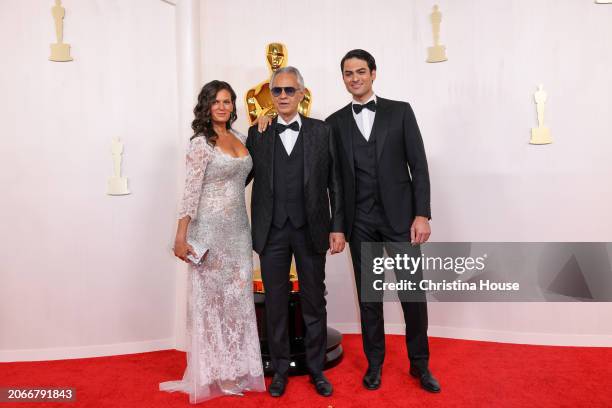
x,y
275,262
373,227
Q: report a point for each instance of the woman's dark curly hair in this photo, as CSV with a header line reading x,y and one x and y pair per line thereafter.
x,y
202,124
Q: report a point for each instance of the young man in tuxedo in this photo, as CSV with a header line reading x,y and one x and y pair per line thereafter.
x,y
386,201
296,177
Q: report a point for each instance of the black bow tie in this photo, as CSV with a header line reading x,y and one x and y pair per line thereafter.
x,y
280,128
357,108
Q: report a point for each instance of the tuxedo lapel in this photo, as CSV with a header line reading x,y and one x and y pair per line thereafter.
x,y
308,139
269,141
349,126
381,125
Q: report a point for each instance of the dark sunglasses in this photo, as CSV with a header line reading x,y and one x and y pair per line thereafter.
x,y
277,90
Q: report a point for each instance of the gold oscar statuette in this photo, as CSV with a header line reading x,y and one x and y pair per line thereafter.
x,y
258,99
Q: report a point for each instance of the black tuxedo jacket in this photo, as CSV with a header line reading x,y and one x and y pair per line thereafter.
x,y
403,178
321,177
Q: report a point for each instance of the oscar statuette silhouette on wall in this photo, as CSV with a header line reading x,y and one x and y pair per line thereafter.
x,y
60,52
117,185
437,53
541,134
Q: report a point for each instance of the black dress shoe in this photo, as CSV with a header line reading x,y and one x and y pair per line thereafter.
x,y
372,377
427,380
278,385
322,384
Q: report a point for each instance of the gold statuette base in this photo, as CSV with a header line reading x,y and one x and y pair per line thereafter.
x,y
437,53
540,136
117,186
60,53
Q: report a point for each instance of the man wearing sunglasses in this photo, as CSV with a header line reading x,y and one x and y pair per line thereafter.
x,y
387,204
296,176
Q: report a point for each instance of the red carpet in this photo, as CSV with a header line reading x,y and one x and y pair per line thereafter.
x,y
472,374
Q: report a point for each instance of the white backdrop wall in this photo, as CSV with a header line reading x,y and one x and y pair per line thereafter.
x,y
475,112
83,273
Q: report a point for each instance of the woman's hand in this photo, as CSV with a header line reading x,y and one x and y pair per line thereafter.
x,y
182,249
262,123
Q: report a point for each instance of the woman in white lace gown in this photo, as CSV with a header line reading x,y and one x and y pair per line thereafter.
x,y
223,354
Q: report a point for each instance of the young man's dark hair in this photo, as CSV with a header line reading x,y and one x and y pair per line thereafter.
x,y
362,55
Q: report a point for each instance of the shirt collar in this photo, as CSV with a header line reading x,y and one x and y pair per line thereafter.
x,y
296,118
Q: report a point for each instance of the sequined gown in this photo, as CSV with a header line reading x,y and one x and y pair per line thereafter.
x,y
223,354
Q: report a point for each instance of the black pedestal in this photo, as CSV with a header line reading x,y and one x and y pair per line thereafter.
x,y
297,365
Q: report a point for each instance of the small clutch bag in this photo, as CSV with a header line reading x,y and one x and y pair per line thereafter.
x,y
200,251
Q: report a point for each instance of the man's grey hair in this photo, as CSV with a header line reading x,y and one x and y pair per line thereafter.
x,y
288,70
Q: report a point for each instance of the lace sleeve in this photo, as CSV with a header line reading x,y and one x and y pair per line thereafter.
x,y
198,155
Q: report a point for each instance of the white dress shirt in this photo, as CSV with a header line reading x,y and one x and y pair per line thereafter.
x,y
365,118
289,136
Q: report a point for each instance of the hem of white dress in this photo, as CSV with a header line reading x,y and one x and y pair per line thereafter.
x,y
218,388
